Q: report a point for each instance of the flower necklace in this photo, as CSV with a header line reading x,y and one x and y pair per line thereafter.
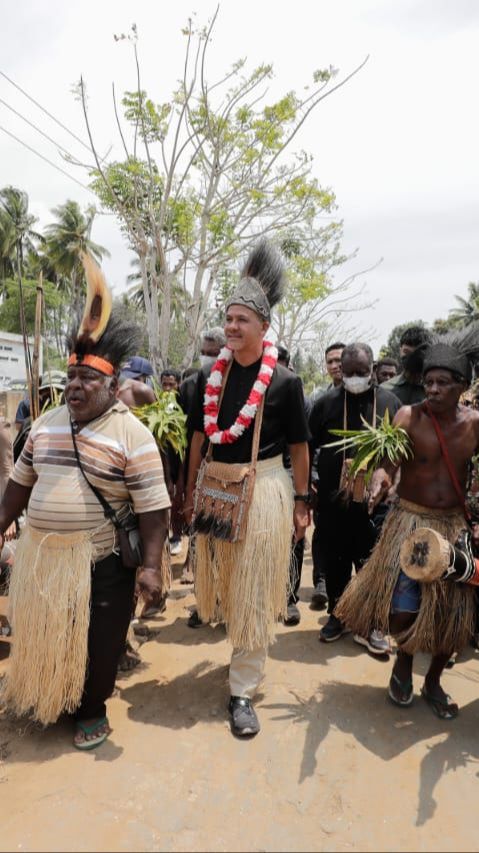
x,y
248,412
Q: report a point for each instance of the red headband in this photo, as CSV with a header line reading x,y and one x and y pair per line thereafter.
x,y
100,364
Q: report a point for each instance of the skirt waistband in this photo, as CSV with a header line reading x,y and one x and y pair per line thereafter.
x,y
418,509
263,466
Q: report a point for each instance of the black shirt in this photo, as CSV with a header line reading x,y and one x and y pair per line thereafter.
x,y
187,401
284,418
186,396
407,392
328,414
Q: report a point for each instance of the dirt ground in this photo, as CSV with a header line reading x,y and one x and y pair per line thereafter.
x,y
335,767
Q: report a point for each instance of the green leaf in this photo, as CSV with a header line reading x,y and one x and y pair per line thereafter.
x,y
166,420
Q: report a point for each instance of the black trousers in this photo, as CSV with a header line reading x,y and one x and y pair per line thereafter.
x,y
318,567
295,569
112,591
345,536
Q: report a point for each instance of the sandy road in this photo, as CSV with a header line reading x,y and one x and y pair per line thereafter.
x,y
336,767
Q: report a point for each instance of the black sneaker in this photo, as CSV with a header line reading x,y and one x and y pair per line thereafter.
x,y
319,598
293,616
194,620
244,722
333,630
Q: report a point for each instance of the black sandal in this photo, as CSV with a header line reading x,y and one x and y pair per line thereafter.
x,y
444,708
405,688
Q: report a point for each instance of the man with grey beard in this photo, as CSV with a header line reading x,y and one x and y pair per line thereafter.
x,y
91,476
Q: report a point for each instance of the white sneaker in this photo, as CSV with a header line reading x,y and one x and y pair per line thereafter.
x,y
175,548
376,643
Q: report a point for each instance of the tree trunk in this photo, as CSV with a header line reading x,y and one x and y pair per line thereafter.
x,y
150,296
165,317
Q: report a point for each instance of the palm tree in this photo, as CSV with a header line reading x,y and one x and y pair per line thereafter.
x,y
468,310
19,238
17,234
66,239
137,297
7,248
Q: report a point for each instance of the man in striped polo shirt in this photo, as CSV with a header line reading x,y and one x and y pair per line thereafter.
x,y
71,593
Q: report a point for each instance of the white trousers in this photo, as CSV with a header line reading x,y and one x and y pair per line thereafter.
x,y
246,671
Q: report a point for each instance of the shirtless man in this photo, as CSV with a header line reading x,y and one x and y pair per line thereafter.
x,y
133,390
436,620
134,393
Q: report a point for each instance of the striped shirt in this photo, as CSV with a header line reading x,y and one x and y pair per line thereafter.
x,y
119,456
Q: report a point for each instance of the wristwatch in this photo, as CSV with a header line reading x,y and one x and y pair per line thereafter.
x,y
305,498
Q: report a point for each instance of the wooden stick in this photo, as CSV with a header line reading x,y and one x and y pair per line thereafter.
x,y
36,349
23,324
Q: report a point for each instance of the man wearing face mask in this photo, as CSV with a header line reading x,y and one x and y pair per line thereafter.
x,y
346,533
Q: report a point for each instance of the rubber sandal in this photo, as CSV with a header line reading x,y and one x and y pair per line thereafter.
x,y
445,709
88,730
405,687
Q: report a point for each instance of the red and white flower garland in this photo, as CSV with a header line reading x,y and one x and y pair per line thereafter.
x,y
248,412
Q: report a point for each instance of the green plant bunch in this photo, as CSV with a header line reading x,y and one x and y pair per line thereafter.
x,y
373,445
166,420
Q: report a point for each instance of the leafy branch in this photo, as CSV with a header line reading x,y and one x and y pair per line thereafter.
x,y
166,420
373,444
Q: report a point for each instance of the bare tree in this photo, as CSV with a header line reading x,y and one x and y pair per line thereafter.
x,y
204,175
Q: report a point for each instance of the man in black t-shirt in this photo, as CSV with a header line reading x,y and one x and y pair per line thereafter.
x,y
319,597
245,583
346,533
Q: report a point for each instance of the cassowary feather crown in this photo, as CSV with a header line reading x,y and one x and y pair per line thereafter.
x,y
262,281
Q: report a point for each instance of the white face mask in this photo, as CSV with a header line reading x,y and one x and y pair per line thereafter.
x,y
357,384
208,360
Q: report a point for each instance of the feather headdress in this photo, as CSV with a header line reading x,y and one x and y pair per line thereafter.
x,y
105,337
98,305
457,351
262,282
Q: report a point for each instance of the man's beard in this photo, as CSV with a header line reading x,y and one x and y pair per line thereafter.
x,y
103,399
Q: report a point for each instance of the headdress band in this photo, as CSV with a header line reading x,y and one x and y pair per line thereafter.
x,y
250,294
100,364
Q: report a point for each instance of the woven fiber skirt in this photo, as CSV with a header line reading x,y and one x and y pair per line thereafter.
x,y
445,620
245,584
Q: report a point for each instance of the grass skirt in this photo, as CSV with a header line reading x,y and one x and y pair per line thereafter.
x,y
445,621
165,569
49,601
246,583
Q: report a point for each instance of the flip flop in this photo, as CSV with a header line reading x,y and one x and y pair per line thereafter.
x,y
405,687
88,730
445,708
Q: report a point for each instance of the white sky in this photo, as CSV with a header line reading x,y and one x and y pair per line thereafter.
x,y
398,144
